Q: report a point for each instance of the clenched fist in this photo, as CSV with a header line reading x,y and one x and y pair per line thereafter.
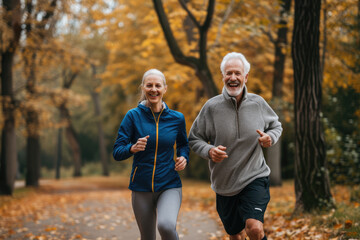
x,y
140,145
180,163
218,154
264,139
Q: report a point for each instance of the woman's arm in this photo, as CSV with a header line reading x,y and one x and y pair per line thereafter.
x,y
122,146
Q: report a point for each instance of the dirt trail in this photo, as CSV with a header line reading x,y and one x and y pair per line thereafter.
x,y
79,210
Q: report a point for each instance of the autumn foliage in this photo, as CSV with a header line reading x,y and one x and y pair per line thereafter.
x,y
67,52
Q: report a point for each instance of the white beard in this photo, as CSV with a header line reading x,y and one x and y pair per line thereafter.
x,y
234,93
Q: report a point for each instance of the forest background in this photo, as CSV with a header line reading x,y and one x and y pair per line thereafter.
x,y
78,65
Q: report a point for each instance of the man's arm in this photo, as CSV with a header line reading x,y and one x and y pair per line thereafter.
x,y
273,126
199,134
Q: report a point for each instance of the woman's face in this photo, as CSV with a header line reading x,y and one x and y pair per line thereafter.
x,y
154,89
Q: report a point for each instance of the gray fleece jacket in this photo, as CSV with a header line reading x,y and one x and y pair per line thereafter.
x,y
221,122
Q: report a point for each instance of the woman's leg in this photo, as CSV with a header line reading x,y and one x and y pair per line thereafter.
x,y
168,206
145,214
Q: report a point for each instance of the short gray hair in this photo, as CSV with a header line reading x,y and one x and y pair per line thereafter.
x,y
235,55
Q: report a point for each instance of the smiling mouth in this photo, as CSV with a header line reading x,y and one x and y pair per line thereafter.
x,y
233,85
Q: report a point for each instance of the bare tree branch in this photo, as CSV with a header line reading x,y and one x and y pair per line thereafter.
x,y
192,17
198,64
268,33
174,47
209,16
223,20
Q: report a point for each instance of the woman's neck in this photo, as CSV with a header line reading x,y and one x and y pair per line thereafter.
x,y
155,107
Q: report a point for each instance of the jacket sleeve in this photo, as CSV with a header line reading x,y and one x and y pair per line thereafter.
x,y
182,143
199,136
121,149
272,124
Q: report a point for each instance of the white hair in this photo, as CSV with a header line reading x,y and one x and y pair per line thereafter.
x,y
235,55
146,74
153,72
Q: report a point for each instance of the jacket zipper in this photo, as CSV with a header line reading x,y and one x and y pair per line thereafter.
x,y
132,180
237,117
156,148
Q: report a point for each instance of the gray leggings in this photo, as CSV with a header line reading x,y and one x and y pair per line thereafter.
x,y
165,205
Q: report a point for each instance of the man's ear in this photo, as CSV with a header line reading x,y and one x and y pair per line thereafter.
x,y
246,78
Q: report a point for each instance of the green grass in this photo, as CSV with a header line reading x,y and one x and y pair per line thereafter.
x,y
344,221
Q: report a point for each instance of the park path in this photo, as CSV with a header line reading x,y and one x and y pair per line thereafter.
x,y
73,210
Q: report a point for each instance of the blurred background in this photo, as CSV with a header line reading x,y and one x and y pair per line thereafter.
x,y
77,66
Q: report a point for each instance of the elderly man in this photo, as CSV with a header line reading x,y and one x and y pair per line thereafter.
x,y
230,131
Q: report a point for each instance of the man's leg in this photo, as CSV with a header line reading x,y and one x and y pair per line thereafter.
x,y
239,236
254,229
227,208
255,198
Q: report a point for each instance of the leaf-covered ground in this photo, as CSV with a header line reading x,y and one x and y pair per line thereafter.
x,y
100,208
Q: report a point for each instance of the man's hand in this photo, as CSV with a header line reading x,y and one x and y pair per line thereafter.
x,y
180,163
218,154
140,145
264,139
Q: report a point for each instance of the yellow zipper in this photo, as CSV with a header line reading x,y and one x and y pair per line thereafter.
x,y
157,139
134,174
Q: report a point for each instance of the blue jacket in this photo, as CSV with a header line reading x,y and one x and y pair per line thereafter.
x,y
153,169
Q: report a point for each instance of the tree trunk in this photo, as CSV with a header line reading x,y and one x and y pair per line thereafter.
x,y
32,127
280,49
274,153
102,144
35,32
8,161
312,185
59,154
323,56
73,141
203,73
33,149
33,161
70,133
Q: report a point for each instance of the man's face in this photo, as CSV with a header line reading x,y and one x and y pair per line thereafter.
x,y
234,78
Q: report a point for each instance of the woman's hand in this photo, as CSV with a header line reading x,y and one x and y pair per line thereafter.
x,y
140,145
180,163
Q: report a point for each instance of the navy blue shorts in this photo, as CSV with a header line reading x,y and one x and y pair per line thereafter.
x,y
251,202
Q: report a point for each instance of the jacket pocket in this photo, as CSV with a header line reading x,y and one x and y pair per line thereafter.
x,y
132,180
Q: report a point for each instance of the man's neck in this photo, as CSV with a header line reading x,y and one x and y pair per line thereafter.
x,y
239,98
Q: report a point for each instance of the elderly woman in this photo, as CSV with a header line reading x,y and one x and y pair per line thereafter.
x,y
149,133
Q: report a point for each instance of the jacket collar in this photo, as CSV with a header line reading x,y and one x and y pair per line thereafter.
x,y
142,105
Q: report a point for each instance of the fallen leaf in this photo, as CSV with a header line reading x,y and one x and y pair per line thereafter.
x,y
348,224
338,226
